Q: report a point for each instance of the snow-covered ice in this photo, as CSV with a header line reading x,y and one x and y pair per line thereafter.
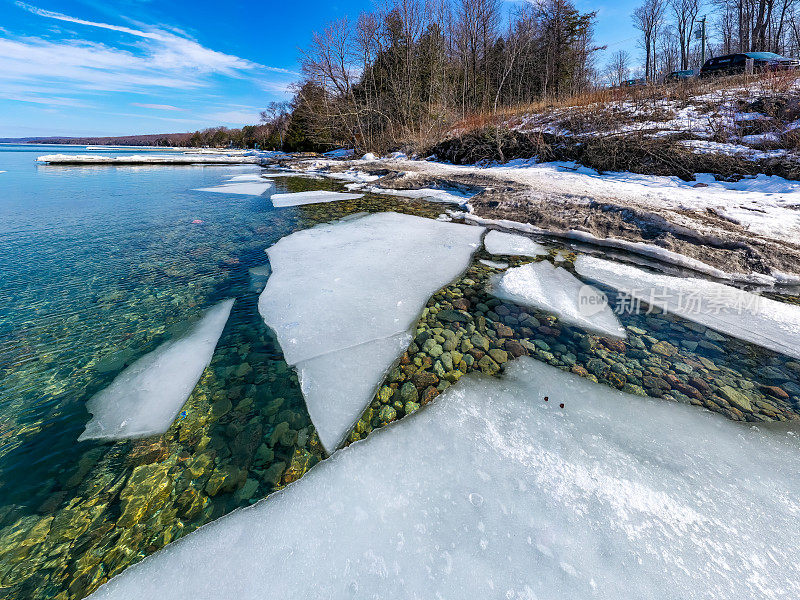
x,y
448,196
148,159
144,399
312,197
341,286
511,244
543,286
740,314
490,492
248,177
244,188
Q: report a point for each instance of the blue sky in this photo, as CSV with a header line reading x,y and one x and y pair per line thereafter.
x,y
88,67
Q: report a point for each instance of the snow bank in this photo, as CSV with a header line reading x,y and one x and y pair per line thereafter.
x,y
490,492
312,197
147,159
244,188
499,242
755,319
553,289
336,288
144,399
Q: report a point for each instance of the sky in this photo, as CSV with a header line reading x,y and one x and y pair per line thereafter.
x,y
124,67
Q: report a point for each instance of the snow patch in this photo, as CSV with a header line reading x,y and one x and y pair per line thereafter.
x,y
489,492
144,399
739,314
337,288
543,286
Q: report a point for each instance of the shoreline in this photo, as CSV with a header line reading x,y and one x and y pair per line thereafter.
x,y
517,198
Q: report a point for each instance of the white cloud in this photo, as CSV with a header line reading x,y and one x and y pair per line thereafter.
x,y
155,57
156,106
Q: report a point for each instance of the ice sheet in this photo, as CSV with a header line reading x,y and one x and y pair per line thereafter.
x,y
144,399
492,493
755,319
147,159
339,286
511,244
245,188
553,289
313,197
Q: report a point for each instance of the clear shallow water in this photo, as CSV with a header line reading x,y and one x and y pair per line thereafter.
x,y
102,264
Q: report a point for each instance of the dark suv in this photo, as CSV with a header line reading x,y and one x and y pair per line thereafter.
x,y
734,64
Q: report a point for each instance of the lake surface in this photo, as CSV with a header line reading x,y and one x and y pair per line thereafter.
x,y
102,264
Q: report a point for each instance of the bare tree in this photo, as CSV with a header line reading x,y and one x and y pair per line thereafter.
x,y
685,14
648,18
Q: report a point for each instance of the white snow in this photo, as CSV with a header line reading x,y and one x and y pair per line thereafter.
x,y
764,205
511,244
338,287
244,188
312,197
147,159
144,399
543,286
490,492
755,319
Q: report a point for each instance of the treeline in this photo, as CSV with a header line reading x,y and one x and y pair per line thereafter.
x,y
407,71
155,139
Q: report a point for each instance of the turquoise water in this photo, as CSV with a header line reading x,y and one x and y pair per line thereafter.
x,y
100,265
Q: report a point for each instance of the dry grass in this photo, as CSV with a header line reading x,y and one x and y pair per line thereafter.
x,y
614,129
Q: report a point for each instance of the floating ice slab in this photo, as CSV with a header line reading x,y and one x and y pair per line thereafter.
x,y
313,197
339,385
144,399
248,177
245,188
510,244
341,286
755,319
490,492
553,289
452,196
146,159
494,264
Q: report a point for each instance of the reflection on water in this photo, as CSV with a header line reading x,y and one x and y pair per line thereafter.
x,y
103,265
